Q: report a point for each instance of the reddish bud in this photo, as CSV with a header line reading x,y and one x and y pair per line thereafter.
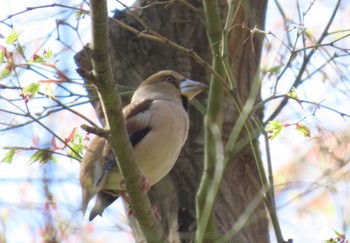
x,y
70,137
53,143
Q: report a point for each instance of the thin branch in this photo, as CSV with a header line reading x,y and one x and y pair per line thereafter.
x,y
163,40
54,134
268,157
245,122
43,6
40,149
64,106
206,223
306,61
74,111
153,37
95,130
316,104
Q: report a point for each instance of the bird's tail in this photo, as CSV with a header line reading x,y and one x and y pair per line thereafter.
x,y
103,200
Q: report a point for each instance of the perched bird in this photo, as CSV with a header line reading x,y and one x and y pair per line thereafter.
x,y
157,124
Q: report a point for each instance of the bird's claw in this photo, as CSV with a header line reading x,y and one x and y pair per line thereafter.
x,y
146,186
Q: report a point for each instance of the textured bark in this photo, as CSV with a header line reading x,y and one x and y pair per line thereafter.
x,y
135,58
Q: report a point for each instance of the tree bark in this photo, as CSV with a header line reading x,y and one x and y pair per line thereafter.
x,y
134,58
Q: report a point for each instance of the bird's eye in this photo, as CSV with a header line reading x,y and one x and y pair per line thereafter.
x,y
170,79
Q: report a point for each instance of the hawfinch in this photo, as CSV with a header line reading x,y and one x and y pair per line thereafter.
x,y
157,124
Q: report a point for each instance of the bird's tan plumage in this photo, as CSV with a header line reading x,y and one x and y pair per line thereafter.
x,y
157,124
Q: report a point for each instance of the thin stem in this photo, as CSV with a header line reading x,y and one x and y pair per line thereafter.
x,y
306,61
206,226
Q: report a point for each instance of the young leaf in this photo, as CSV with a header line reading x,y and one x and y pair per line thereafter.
x,y
303,129
49,90
274,128
77,151
80,14
48,54
20,49
5,72
9,156
338,233
41,156
330,241
2,56
36,58
71,136
293,93
31,90
12,37
274,69
76,142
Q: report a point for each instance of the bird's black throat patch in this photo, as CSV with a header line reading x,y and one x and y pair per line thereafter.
x,y
184,102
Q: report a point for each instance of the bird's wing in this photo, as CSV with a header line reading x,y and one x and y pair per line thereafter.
x,y
138,120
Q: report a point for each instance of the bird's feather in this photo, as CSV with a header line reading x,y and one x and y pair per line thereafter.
x,y
103,200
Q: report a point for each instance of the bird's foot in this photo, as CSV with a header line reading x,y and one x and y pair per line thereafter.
x,y
155,212
122,184
125,196
130,212
146,186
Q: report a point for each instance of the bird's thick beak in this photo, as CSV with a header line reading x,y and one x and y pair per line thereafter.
x,y
190,88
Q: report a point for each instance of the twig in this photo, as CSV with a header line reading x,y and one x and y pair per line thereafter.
x,y
161,39
95,130
39,149
306,61
206,223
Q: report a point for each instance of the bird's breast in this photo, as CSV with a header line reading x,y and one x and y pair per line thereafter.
x,y
160,148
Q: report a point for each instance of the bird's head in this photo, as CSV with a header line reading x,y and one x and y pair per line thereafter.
x,y
168,84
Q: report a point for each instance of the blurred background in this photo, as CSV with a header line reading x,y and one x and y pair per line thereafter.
x,y
42,200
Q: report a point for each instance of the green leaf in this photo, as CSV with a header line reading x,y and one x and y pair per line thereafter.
x,y
293,93
77,146
338,233
77,151
2,56
41,156
305,130
20,49
80,14
36,59
341,238
274,128
48,54
274,69
31,90
5,72
49,90
12,37
293,55
9,156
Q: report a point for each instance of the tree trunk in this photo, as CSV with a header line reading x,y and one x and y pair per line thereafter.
x,y
135,58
